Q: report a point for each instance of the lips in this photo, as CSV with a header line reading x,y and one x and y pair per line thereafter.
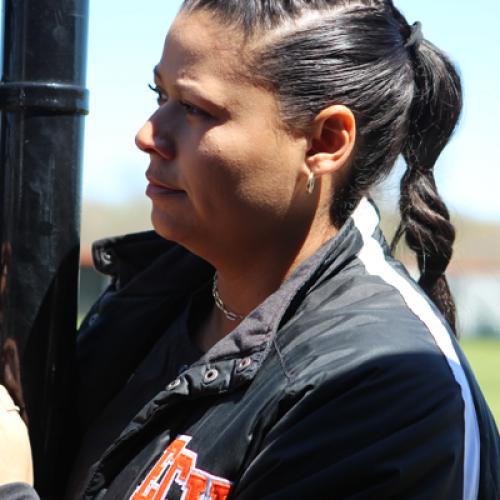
x,y
156,188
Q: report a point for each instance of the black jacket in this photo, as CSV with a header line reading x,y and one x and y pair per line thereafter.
x,y
345,383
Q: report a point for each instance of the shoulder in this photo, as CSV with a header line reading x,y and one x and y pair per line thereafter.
x,y
359,345
386,363
372,402
357,319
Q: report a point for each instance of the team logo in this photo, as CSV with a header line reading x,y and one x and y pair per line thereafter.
x,y
178,465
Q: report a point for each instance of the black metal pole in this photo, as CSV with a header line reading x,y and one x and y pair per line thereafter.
x,y
42,102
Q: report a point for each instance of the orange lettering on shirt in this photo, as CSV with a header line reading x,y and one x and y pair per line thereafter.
x,y
220,489
178,464
196,486
150,487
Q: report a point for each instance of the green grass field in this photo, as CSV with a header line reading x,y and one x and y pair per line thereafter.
x,y
484,357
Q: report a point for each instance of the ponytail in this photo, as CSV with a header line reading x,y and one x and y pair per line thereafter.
x,y
425,220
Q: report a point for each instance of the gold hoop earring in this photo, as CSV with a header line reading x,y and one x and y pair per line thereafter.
x,y
311,183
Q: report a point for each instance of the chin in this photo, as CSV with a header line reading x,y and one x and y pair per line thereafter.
x,y
172,228
165,227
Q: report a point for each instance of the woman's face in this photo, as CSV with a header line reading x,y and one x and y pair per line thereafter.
x,y
224,175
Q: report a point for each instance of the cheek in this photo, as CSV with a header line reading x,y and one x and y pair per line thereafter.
x,y
216,172
248,167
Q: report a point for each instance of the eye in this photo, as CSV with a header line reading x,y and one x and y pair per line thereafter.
x,y
194,110
190,109
161,98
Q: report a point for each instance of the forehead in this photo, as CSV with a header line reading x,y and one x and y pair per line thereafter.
x,y
203,54
199,47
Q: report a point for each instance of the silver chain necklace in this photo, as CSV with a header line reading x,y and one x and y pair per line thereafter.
x,y
230,315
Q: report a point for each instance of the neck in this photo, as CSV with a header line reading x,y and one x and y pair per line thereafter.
x,y
245,284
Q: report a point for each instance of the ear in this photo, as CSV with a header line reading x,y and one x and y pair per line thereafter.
x,y
332,140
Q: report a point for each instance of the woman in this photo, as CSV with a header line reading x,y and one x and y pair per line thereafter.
x,y
266,344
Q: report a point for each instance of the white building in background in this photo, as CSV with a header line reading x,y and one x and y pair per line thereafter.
x,y
477,296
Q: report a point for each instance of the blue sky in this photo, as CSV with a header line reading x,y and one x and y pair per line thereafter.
x,y
125,42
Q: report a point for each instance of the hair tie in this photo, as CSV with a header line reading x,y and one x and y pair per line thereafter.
x,y
416,36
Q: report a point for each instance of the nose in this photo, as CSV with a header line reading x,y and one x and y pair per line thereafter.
x,y
144,139
148,140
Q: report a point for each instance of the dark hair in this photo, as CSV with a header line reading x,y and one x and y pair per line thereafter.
x,y
404,92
